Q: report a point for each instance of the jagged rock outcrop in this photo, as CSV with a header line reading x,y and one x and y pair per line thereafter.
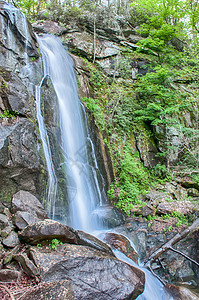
x,y
21,162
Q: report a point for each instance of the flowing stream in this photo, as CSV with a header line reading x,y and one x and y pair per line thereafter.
x,y
83,189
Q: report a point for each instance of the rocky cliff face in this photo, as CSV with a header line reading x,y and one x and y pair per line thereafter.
x,y
22,161
21,157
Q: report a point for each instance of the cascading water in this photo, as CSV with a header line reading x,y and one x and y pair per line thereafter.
x,y
82,185
52,179
83,190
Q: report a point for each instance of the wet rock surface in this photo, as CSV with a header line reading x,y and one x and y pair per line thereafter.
x,y
109,216
121,243
77,266
93,242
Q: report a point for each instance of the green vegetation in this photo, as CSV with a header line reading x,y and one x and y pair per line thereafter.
x,y
9,114
54,243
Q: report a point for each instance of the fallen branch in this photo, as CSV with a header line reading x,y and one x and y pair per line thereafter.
x,y
187,257
168,246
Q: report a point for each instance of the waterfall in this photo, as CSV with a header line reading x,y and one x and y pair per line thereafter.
x,y
83,191
52,180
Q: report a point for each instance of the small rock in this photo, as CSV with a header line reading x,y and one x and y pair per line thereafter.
x,y
6,231
6,212
193,192
25,201
23,218
7,275
122,244
12,240
147,210
27,265
4,221
7,259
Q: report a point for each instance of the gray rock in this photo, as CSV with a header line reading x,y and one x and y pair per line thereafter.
x,y
181,293
7,275
108,216
183,207
6,231
11,240
93,242
187,182
18,97
27,265
47,27
21,165
25,202
176,190
4,221
147,149
83,41
51,290
20,161
155,197
17,37
145,211
48,230
94,274
23,218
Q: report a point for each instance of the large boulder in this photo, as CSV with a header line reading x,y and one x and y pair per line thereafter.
x,y
48,230
94,274
21,165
